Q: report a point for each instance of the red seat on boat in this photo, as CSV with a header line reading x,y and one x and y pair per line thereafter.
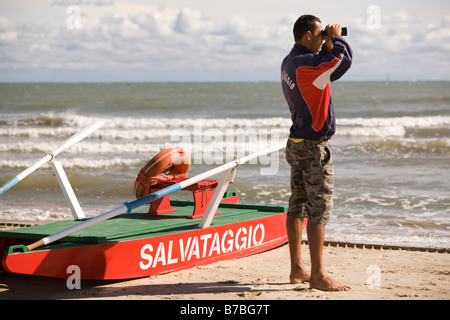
x,y
202,192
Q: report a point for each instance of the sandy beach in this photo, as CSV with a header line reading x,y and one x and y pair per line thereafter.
x,y
373,274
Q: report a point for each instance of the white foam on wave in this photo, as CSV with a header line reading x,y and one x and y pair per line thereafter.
x,y
37,214
383,132
407,122
74,120
391,239
142,128
106,155
143,122
388,127
84,163
91,147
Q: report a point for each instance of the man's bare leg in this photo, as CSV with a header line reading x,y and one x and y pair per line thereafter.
x,y
319,278
294,228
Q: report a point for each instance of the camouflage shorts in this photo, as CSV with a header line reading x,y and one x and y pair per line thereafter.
x,y
311,180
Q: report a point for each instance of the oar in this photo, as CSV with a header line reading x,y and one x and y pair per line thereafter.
x,y
128,206
49,156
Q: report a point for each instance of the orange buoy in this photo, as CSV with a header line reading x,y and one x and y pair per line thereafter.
x,y
166,165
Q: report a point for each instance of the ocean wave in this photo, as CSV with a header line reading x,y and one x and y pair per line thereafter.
x,y
142,128
85,147
391,127
43,120
219,139
374,131
216,145
402,147
406,122
392,239
80,163
136,134
68,119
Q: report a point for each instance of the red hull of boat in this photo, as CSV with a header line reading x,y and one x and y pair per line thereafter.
x,y
156,255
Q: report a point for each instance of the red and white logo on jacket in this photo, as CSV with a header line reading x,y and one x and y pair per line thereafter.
x,y
314,84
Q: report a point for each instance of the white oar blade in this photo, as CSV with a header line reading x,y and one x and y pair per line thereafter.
x,y
78,137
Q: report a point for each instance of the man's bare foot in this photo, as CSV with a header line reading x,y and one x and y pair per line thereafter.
x,y
299,275
325,283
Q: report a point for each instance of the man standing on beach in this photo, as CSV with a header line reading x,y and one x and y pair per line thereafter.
x,y
306,73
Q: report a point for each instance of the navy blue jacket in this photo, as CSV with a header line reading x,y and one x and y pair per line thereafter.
x,y
306,78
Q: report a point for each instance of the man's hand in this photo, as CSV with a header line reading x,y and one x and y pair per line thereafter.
x,y
333,30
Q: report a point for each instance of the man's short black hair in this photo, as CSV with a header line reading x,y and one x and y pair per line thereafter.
x,y
304,24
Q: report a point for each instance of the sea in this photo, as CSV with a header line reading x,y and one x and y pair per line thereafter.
x,y
391,151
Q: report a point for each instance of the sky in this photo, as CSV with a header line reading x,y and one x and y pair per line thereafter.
x,y
204,40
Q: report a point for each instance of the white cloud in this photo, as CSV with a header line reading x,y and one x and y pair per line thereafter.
x,y
8,32
124,42
155,22
405,47
191,21
66,3
156,39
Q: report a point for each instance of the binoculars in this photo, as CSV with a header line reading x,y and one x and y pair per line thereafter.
x,y
344,32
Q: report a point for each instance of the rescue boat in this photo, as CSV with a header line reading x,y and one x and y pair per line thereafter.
x,y
152,234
